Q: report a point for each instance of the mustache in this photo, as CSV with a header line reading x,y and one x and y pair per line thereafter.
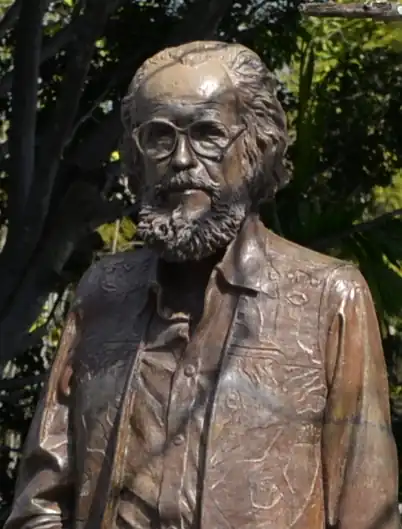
x,y
183,181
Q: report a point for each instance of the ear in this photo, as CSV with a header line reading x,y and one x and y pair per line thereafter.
x,y
273,163
130,162
269,155
269,162
280,172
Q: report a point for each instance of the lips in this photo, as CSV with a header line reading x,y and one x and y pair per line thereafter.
x,y
182,190
191,199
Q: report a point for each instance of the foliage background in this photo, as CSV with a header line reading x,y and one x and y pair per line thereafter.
x,y
64,66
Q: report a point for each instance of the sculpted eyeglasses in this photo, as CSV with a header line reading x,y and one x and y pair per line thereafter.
x,y
158,138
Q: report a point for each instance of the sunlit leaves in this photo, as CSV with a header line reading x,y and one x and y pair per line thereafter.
x,y
118,236
345,122
389,198
4,5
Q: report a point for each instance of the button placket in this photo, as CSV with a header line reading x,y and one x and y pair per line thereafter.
x,y
178,440
189,370
183,394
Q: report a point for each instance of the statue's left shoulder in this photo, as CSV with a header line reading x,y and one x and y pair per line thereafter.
x,y
297,258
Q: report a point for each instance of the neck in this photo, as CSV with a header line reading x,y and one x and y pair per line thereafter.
x,y
191,274
184,284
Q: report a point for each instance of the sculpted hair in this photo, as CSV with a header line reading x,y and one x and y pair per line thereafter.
x,y
266,138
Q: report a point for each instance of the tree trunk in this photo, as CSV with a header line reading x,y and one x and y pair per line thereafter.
x,y
385,11
32,267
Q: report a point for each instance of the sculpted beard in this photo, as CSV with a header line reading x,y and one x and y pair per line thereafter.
x,y
178,238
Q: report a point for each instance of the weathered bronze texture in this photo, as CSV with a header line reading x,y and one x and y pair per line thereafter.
x,y
221,376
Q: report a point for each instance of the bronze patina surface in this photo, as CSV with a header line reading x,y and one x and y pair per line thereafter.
x,y
221,376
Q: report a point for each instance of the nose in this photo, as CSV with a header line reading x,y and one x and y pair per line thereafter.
x,y
183,157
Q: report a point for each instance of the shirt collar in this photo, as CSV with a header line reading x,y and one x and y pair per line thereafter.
x,y
245,263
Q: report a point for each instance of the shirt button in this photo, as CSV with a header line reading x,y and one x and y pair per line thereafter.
x,y
189,370
178,440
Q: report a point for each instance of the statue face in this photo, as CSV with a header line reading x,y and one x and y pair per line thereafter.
x,y
189,136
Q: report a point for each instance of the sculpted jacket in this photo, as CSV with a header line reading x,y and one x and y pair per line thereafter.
x,y
298,428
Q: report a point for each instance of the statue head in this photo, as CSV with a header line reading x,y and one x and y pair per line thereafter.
x,y
203,146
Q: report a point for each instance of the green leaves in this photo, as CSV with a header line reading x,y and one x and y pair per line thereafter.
x,y
304,145
118,236
383,276
345,120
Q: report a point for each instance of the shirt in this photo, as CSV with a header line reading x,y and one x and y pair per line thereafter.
x,y
168,420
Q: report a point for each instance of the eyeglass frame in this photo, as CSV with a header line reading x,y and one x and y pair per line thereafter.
x,y
185,131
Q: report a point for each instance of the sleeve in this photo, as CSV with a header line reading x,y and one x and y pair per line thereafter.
x,y
360,468
44,492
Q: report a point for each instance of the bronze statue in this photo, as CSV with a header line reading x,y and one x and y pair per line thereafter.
x,y
221,376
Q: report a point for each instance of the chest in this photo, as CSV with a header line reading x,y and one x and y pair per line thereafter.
x,y
265,348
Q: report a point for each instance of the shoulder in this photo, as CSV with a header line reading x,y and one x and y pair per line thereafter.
x,y
294,252
338,277
115,275
347,285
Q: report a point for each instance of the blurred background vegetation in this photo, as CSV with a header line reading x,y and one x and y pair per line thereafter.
x,y
64,66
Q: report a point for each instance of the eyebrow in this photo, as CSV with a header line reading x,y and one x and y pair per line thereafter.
x,y
203,110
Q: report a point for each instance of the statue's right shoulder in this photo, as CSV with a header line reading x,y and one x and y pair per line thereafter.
x,y
116,275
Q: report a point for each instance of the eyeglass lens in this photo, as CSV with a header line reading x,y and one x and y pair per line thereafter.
x,y
158,139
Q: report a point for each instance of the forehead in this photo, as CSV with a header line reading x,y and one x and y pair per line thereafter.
x,y
178,90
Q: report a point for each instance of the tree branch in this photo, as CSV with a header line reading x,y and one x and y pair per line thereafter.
x,y
10,17
96,148
254,9
45,267
24,107
73,82
60,40
3,150
33,338
327,242
10,384
19,249
201,21
80,213
385,11
94,106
